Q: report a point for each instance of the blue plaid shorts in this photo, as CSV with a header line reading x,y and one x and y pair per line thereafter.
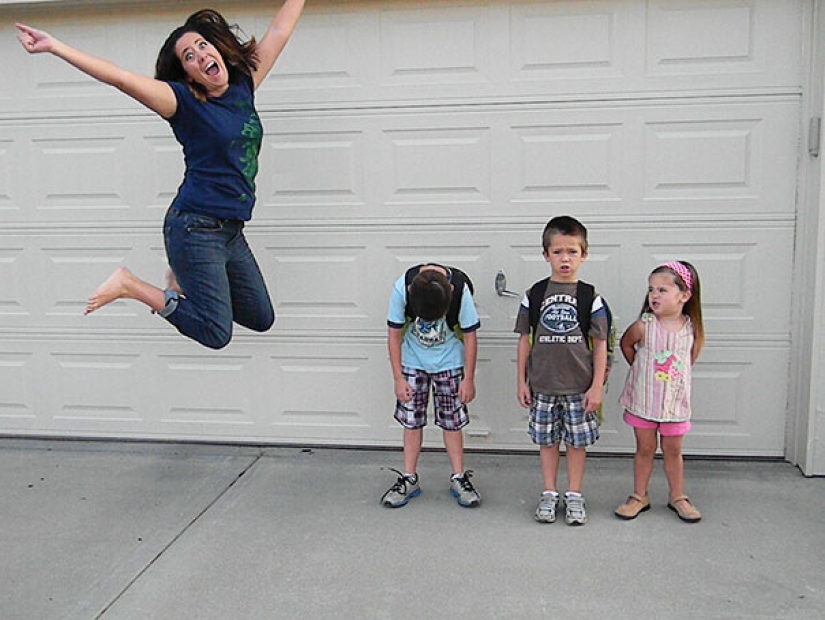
x,y
450,412
562,418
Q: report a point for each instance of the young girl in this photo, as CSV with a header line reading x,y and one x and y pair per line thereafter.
x,y
204,85
661,347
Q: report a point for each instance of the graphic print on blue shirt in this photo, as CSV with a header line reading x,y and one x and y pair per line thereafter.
x,y
250,142
429,333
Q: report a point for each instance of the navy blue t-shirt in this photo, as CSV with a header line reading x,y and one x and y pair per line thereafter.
x,y
221,139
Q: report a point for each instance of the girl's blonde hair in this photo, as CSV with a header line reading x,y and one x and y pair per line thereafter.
x,y
693,306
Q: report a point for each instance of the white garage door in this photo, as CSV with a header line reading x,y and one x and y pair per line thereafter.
x,y
397,132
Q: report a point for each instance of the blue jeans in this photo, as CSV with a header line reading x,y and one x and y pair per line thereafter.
x,y
218,276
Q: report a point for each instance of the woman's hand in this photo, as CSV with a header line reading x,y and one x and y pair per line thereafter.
x,y
34,41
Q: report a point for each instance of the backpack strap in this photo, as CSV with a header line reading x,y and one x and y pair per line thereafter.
x,y
535,297
585,294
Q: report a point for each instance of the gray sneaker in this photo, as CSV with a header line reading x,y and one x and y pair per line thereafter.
x,y
404,489
546,510
574,512
462,489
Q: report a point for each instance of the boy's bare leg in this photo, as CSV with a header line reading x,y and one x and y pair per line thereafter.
x,y
412,449
454,443
122,284
549,457
576,459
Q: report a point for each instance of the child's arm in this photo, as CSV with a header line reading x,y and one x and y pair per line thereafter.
x,y
632,336
523,394
154,94
276,37
403,391
694,351
593,396
467,388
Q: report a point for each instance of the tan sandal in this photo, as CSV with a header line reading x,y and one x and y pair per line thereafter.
x,y
686,512
634,505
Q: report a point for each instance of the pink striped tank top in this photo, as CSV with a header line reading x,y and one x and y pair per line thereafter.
x,y
658,384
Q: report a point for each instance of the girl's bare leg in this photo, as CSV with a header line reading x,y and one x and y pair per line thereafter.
x,y
122,284
674,465
646,444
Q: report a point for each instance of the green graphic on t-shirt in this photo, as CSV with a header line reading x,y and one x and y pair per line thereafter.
x,y
250,145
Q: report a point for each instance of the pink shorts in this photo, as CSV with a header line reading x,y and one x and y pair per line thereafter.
x,y
666,429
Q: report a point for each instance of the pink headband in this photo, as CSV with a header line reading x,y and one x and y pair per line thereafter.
x,y
682,271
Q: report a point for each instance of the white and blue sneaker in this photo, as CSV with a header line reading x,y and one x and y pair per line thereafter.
x,y
463,490
404,489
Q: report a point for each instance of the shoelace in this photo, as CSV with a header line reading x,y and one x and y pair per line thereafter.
x,y
464,481
400,485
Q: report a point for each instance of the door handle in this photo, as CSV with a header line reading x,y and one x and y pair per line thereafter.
x,y
501,286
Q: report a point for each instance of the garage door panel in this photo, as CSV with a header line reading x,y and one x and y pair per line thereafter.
x,y
96,391
689,39
445,165
313,173
735,400
341,405
435,44
318,284
18,404
11,187
203,392
15,273
723,157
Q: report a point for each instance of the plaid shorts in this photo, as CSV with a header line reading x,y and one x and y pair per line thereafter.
x,y
450,412
562,418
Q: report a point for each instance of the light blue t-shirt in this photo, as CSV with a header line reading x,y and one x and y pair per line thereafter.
x,y
431,346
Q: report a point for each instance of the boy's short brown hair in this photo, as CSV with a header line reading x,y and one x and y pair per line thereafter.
x,y
564,225
430,294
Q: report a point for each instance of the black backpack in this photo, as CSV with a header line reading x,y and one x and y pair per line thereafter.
x,y
457,278
585,294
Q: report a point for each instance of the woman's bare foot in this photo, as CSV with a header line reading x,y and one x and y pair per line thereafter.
x,y
117,286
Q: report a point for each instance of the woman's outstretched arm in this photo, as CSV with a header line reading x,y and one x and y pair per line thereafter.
x,y
275,39
154,94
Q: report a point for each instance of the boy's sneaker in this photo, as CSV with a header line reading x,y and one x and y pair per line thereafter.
x,y
546,510
404,489
462,489
574,512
